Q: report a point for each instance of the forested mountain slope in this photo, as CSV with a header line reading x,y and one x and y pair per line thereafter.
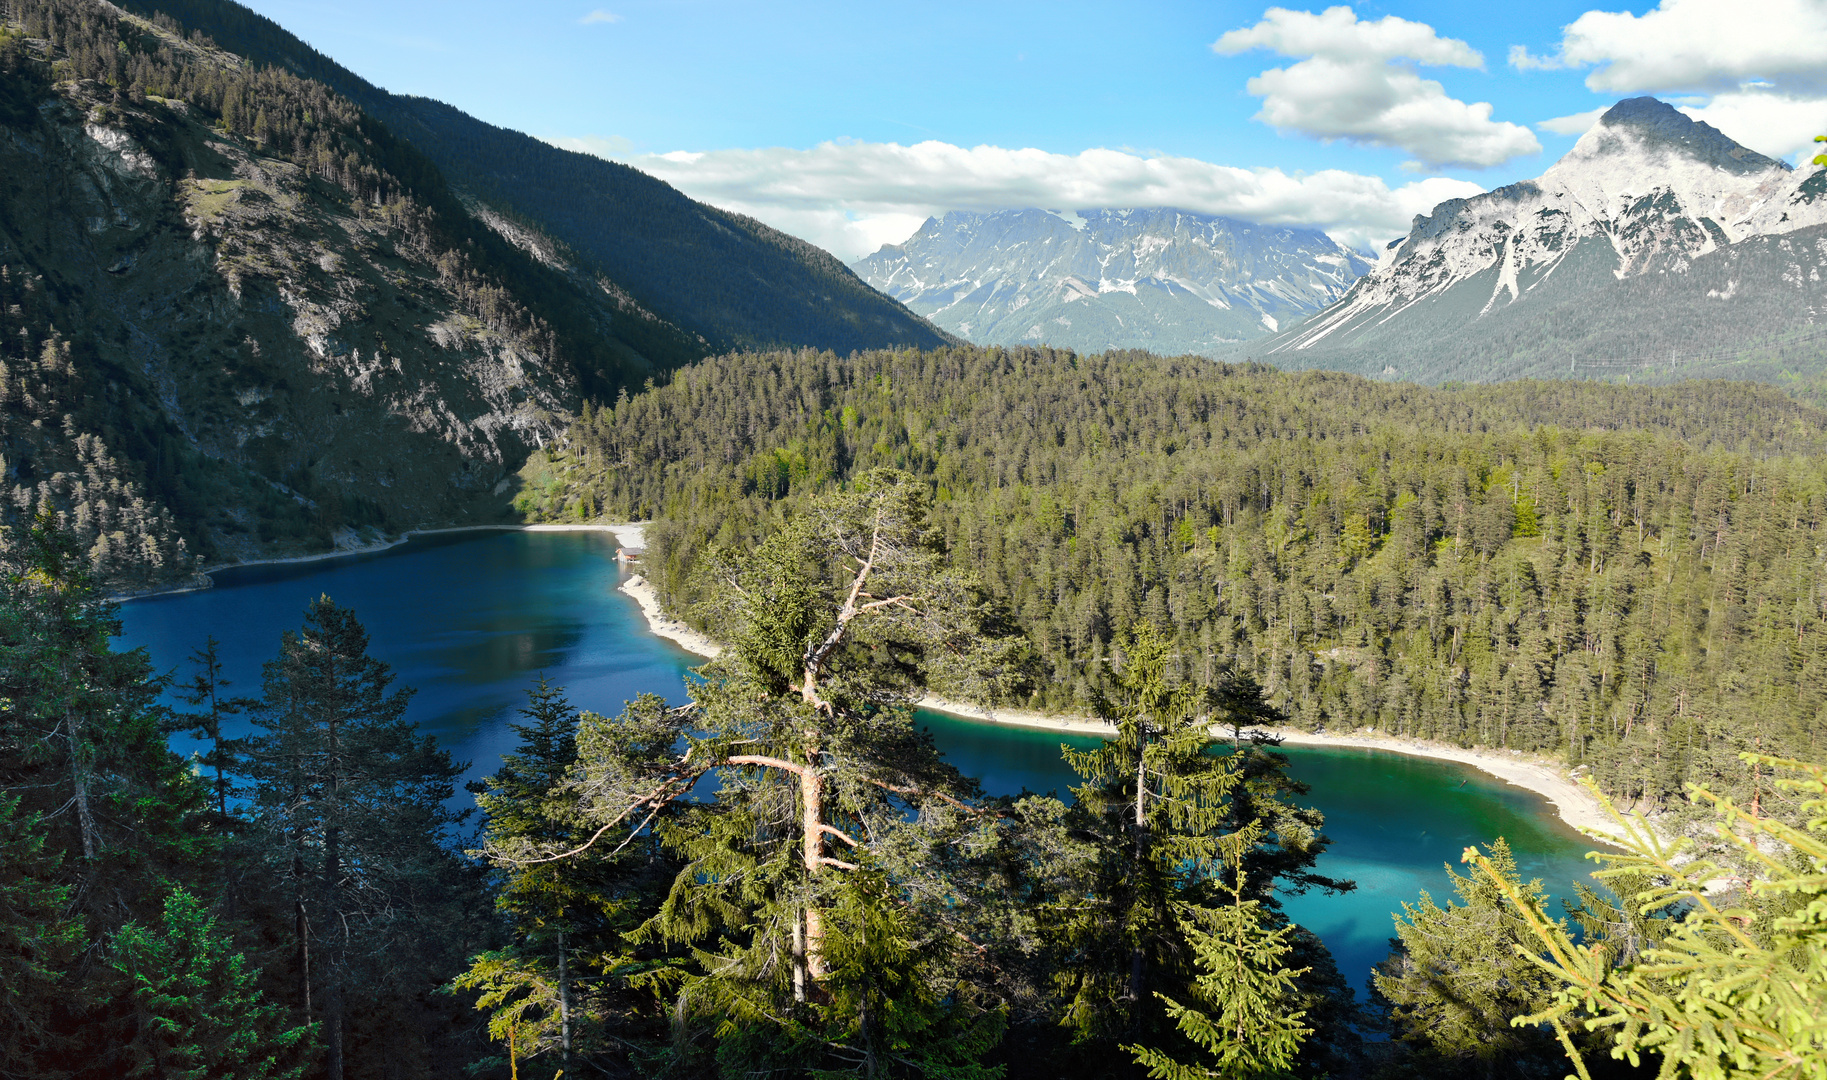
x,y
1631,577
1657,249
725,277
239,314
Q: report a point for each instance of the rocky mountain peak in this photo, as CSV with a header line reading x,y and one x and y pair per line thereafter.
x,y
1646,124
1645,192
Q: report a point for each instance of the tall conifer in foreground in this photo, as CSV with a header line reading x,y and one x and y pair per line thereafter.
x,y
352,802
804,953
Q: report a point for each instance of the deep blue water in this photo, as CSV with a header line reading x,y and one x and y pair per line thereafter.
x,y
471,619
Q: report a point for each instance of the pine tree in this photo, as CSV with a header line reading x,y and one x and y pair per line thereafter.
x,y
802,957
197,1012
352,801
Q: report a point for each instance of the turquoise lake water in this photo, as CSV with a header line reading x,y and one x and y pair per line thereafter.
x,y
470,619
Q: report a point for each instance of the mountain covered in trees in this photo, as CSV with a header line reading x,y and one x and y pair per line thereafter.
x,y
1626,578
241,315
1657,248
1168,281
724,278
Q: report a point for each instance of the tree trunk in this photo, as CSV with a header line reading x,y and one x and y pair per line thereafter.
x,y
1138,959
333,990
564,1002
812,800
79,784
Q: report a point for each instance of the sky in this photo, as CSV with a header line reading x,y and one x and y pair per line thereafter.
x,y
849,124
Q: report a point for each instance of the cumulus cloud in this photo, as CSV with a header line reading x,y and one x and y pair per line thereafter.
x,y
852,197
1577,124
1770,122
1761,64
1357,80
1700,45
599,16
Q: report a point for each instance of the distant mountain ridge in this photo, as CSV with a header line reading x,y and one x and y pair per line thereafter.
x,y
1169,281
1646,247
727,279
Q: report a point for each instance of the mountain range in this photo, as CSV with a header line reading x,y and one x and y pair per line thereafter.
x,y
1169,281
1657,248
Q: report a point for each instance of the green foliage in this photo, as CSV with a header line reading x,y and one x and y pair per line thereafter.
x,y
205,690
1249,1027
1455,980
38,938
776,951
1167,905
1156,801
1664,618
349,803
1734,984
197,1012
562,984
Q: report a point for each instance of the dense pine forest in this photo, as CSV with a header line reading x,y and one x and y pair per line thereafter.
x,y
1628,578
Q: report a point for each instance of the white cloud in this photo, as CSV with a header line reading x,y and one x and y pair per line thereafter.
x,y
1768,122
599,16
852,197
1760,65
1700,45
1577,124
1356,80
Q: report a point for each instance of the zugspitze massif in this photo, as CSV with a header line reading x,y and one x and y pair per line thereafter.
x,y
1657,248
1165,280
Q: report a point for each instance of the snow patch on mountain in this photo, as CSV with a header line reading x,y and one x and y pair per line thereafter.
x,y
1157,278
1646,190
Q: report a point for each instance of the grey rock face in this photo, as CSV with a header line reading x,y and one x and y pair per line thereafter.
x,y
1595,262
1165,280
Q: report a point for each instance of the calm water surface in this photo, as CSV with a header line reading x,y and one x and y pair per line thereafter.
x,y
470,619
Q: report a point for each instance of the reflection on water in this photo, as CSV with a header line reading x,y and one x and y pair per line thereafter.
x,y
471,619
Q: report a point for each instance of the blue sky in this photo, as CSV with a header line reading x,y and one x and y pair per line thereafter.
x,y
848,123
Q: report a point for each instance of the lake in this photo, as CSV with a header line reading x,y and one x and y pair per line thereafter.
x,y
470,619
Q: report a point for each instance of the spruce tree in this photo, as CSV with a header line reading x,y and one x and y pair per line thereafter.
x,y
1154,808
205,691
1248,1027
195,1008
1728,980
1455,980
352,803
566,913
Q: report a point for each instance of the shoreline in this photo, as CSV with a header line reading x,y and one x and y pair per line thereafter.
x,y
1573,804
629,533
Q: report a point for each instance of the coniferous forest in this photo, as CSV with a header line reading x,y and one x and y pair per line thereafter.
x,y
1628,579
783,876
